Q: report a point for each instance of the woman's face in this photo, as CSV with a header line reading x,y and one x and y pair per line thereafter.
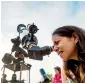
x,y
56,71
65,47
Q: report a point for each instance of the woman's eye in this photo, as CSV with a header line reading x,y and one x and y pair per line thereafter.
x,y
57,42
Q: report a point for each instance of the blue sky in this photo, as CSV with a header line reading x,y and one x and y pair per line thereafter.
x,y
73,6
48,16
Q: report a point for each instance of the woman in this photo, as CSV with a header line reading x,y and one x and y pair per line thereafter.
x,y
69,43
57,77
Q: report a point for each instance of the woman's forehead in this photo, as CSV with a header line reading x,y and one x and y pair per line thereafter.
x,y
57,37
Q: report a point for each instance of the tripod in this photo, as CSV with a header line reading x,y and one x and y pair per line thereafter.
x,y
3,79
17,66
21,67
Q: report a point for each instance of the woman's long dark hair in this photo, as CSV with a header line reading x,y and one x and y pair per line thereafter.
x,y
79,70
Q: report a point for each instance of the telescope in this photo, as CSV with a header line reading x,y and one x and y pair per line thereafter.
x,y
29,44
25,47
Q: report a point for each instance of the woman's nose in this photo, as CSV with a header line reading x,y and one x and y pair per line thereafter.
x,y
55,48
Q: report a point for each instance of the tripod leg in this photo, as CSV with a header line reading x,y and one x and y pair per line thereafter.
x,y
29,75
20,71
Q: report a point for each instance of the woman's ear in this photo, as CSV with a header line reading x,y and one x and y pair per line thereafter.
x,y
75,36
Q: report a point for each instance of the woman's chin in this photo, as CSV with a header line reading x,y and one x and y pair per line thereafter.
x,y
64,59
